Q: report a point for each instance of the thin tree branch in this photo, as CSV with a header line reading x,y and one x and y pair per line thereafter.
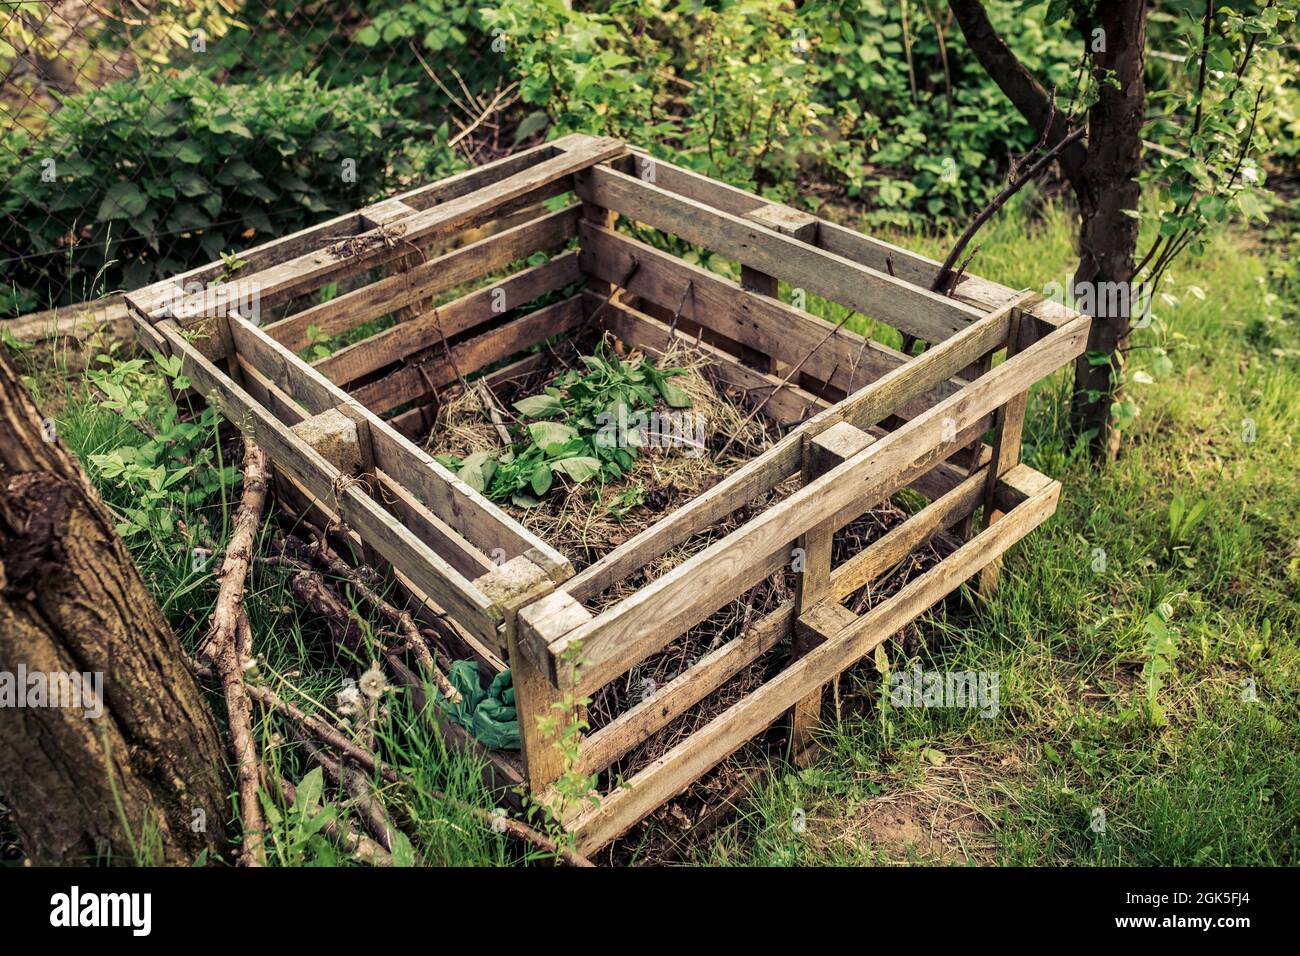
x,y
943,280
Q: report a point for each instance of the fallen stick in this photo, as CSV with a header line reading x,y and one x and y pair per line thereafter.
x,y
414,640
324,732
227,644
341,774
490,403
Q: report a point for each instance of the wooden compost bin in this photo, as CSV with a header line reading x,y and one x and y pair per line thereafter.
x,y
863,421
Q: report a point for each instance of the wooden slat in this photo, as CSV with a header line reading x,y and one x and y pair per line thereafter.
x,y
417,382
640,625
454,318
398,545
875,253
876,294
347,311
845,360
482,523
821,453
704,749
314,269
863,409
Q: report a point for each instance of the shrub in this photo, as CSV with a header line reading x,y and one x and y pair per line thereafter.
x,y
144,178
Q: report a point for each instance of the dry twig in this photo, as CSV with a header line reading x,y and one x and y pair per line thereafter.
x,y
228,644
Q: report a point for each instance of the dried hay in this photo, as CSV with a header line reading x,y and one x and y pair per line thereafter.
x,y
588,521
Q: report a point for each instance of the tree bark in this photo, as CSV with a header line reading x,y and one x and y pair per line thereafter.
x,y
142,782
1107,236
1104,178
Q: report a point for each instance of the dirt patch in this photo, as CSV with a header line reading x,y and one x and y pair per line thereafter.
x,y
939,821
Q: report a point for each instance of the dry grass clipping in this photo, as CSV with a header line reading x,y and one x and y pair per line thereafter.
x,y
589,520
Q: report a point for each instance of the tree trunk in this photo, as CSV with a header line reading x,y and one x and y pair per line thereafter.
x,y
1107,236
142,781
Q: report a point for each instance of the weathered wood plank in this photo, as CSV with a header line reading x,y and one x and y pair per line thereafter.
x,y
876,294
875,253
821,453
845,360
466,264
454,318
419,381
150,298
695,755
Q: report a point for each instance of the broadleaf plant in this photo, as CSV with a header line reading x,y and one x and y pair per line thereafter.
x,y
579,429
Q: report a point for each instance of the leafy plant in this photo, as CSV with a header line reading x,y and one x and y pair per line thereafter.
x,y
295,837
144,178
176,468
1182,522
584,427
1161,652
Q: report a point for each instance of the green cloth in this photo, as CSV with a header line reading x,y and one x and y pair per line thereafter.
x,y
487,714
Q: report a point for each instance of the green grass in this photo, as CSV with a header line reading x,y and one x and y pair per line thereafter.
x,y
1207,778
295,655
1216,780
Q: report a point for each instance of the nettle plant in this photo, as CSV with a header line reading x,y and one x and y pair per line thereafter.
x,y
176,469
586,425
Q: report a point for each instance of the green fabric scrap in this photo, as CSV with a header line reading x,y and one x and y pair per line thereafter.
x,y
487,714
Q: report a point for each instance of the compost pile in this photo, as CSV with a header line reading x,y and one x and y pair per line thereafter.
x,y
587,519
590,449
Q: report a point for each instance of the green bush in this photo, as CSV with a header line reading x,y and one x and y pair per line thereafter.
x,y
930,140
144,178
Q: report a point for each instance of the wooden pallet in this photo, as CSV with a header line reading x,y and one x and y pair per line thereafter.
x,y
863,422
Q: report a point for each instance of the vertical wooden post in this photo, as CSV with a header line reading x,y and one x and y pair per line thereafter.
x,y
820,454
1007,436
367,471
597,216
788,222
524,592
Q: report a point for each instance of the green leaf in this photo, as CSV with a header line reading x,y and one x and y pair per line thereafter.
x,y
540,406
122,201
541,478
545,434
674,396
477,470
579,469
403,852
532,123
309,792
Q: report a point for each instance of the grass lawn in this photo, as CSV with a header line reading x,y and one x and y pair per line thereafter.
x,y
1148,710
1107,747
